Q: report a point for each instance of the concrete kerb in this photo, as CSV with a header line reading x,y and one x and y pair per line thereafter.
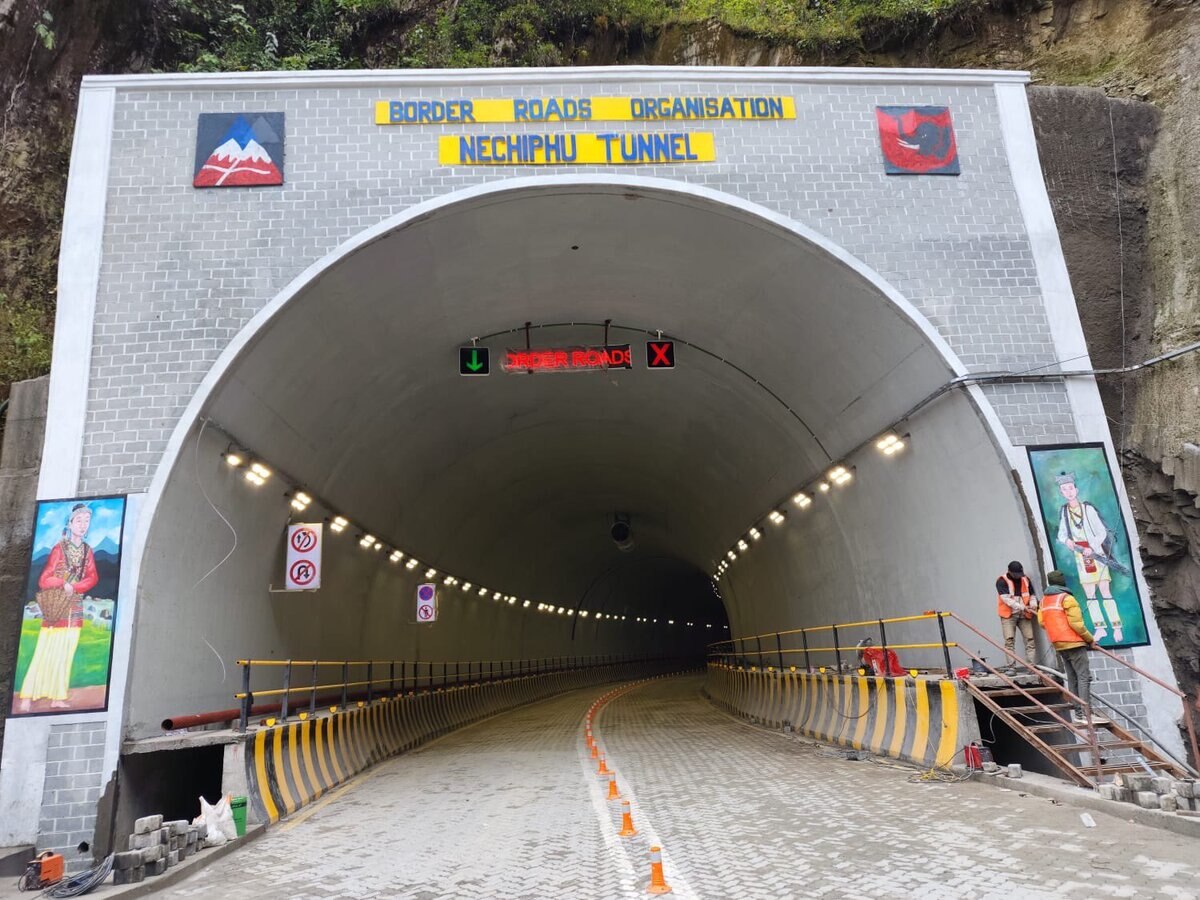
x,y
188,866
1085,798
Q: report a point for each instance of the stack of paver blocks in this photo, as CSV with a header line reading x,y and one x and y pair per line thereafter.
x,y
154,847
1155,792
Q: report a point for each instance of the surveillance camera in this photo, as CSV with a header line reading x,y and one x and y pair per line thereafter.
x,y
622,532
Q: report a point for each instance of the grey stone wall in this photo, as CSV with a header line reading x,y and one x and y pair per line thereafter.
x,y
183,270
74,758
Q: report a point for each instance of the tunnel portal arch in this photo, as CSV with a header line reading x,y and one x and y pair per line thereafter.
x,y
876,353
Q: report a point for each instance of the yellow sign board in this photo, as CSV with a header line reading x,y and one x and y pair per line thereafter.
x,y
581,109
637,148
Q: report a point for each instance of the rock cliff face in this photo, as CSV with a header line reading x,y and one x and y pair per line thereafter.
x,y
1122,161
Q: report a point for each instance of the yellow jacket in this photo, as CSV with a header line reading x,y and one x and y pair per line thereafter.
x,y
1061,617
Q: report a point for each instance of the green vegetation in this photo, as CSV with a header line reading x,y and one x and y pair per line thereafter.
x,y
222,35
90,666
24,340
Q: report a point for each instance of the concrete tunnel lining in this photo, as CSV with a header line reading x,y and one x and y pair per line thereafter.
x,y
696,455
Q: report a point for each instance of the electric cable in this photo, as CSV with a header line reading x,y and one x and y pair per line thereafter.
x,y
84,882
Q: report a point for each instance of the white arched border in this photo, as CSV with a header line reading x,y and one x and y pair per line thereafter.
x,y
257,325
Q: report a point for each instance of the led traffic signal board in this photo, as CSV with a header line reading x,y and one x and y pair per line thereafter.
x,y
660,354
474,361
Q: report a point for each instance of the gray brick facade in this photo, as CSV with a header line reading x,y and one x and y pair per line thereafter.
x,y
183,270
74,764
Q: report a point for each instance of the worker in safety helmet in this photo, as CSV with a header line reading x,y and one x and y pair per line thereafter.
x,y
1016,603
1063,620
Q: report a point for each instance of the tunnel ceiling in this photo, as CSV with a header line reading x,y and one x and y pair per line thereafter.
x,y
353,387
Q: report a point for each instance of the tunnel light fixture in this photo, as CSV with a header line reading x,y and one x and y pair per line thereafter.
x,y
496,595
512,601
430,573
300,501
339,524
525,605
561,610
396,556
709,625
366,540
260,470
890,444
483,592
670,621
802,500
448,581
411,564
776,516
732,556
378,546
583,614
823,487
742,545
232,458
755,534
255,479
839,475
466,587
570,612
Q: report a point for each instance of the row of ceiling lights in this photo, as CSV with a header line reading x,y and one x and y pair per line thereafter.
x,y
257,473
840,475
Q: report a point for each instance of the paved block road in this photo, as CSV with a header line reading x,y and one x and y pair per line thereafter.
x,y
509,808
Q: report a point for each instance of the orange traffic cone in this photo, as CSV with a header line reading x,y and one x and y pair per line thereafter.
x,y
595,751
658,884
612,787
603,769
627,829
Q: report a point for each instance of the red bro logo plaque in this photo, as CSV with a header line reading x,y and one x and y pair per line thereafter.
x,y
917,140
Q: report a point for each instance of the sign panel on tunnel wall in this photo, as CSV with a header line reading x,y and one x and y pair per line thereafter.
x,y
427,603
303,563
70,604
1087,535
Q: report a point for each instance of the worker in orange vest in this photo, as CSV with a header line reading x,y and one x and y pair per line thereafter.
x,y
1016,603
1063,620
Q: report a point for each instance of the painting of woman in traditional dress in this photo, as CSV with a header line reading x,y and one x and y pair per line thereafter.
x,y
66,637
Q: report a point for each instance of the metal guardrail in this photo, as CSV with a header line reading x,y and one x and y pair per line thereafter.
x,y
374,679
734,651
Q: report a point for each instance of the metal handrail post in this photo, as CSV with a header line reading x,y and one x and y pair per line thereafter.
x,y
287,683
807,658
887,668
779,648
345,682
370,681
247,698
945,649
758,647
312,693
429,683
837,648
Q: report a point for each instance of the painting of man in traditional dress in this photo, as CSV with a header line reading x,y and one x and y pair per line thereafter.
x,y
1088,539
65,649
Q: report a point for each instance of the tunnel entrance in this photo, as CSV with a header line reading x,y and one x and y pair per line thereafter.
x,y
590,512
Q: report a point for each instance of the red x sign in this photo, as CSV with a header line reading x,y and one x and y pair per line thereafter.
x,y
660,354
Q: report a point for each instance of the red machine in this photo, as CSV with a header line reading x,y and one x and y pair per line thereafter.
x,y
44,870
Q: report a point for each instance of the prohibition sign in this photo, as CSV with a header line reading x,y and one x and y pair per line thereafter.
x,y
302,572
304,540
425,612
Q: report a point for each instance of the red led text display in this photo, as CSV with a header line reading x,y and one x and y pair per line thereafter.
x,y
569,359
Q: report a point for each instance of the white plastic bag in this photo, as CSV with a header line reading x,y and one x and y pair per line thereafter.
x,y
213,817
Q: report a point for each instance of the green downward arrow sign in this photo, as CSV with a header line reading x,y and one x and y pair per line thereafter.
x,y
474,365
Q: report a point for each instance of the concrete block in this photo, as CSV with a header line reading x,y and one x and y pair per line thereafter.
x,y
133,875
1168,802
1138,783
185,851
158,867
130,859
178,826
147,824
192,836
1146,799
152,854
172,858
1184,789
142,841
1160,785
1014,770
1187,804
1109,791
164,835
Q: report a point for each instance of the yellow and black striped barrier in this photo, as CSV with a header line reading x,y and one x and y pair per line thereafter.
x,y
925,721
292,763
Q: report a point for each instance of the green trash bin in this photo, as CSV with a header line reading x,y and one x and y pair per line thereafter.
x,y
237,806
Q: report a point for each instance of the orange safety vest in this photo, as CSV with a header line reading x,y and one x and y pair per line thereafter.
x,y
1003,608
1054,620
